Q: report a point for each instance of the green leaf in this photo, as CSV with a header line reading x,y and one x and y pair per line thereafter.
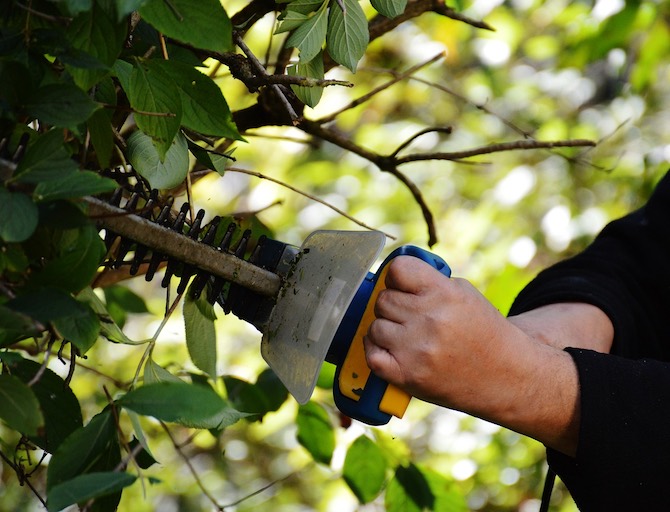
x,y
147,162
143,458
80,327
348,34
73,185
85,487
154,374
310,96
125,7
203,24
311,35
19,407
60,407
119,301
123,71
74,7
46,159
389,8
204,108
75,321
266,395
210,159
365,469
315,432
108,327
291,20
15,326
80,249
155,97
97,34
199,319
302,6
102,136
19,216
187,404
273,390
82,449
61,104
409,491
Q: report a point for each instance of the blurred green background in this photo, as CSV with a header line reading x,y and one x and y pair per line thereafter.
x,y
550,70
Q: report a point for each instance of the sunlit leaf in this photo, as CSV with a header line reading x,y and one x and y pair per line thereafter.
x,y
199,319
154,373
315,432
164,174
389,8
348,35
311,35
19,407
310,96
84,487
178,18
290,20
204,108
187,404
155,97
364,469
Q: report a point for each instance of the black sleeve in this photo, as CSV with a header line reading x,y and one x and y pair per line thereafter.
x,y
624,444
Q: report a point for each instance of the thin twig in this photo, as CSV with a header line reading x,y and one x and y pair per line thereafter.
x,y
196,477
258,491
362,99
19,471
444,129
307,195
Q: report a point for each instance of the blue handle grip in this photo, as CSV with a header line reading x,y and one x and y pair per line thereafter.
x,y
367,407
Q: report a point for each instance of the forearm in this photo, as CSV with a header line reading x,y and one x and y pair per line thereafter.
x,y
569,324
529,387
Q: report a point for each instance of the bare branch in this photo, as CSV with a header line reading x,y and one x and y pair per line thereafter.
x,y
256,64
384,163
495,148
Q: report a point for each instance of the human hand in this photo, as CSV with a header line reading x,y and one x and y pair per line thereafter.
x,y
434,336
440,340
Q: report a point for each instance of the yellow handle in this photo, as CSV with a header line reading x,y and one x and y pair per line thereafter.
x,y
354,372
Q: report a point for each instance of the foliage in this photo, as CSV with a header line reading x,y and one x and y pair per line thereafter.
x,y
449,128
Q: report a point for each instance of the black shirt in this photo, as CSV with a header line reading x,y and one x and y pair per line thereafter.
x,y
623,455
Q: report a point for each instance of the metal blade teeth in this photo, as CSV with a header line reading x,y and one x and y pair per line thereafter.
x,y
134,254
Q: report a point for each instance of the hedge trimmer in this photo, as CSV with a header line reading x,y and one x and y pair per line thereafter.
x,y
311,303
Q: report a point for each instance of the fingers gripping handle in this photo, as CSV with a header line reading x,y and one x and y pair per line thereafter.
x,y
358,392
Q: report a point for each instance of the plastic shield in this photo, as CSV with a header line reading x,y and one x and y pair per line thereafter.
x,y
310,307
